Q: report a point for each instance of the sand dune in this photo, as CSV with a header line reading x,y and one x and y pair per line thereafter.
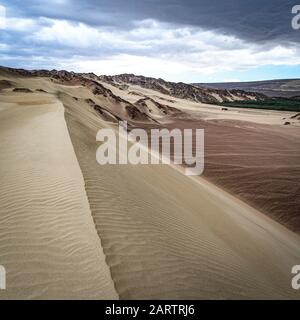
x,y
70,228
48,242
167,236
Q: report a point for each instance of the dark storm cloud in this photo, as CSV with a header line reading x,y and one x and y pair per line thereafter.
x,y
255,20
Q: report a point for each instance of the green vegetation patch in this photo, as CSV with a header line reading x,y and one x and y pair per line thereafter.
x,y
282,104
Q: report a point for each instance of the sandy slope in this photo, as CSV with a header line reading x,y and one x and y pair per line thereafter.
x,y
167,236
48,242
164,235
206,111
249,153
259,164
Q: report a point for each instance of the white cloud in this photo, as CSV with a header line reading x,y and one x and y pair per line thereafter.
x,y
3,46
80,35
21,25
2,17
125,63
152,48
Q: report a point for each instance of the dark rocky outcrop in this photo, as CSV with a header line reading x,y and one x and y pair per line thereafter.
x,y
163,108
4,84
25,90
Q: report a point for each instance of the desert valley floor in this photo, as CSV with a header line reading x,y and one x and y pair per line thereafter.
x,y
70,228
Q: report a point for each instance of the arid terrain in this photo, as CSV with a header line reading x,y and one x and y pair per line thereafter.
x,y
70,228
273,88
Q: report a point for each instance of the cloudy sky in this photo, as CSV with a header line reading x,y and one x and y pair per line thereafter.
x,y
178,40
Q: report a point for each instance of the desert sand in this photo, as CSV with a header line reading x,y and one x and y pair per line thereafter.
x,y
48,242
248,152
70,228
257,163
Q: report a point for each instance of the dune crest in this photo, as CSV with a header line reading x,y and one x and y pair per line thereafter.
x,y
49,245
168,236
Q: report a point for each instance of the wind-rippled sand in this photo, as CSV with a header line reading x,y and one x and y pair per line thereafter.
x,y
48,242
132,232
166,235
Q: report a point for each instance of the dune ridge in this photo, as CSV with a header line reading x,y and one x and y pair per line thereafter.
x,y
167,236
48,242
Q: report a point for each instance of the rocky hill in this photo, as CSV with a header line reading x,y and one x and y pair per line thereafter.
x,y
183,90
179,90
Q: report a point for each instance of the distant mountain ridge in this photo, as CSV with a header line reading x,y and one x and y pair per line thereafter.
x,y
179,90
287,88
182,90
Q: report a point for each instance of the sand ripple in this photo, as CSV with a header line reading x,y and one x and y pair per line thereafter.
x,y
167,236
48,242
